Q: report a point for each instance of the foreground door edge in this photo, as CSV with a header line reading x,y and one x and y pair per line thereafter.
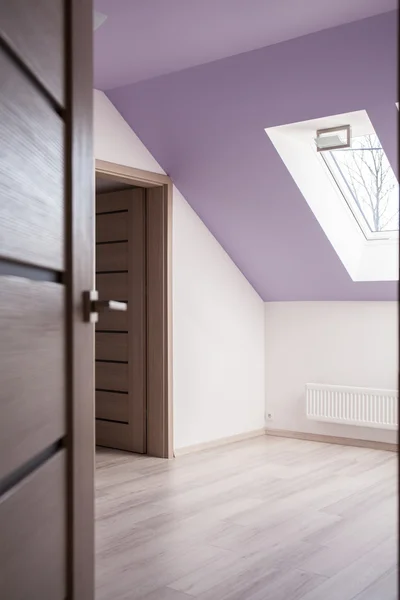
x,y
80,261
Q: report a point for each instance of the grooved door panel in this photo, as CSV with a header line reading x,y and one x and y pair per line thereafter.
x,y
112,376
33,535
112,346
46,264
120,275
112,257
113,286
31,172
114,435
32,357
113,321
112,407
112,227
37,37
112,201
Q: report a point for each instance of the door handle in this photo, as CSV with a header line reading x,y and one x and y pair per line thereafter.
x,y
92,306
103,305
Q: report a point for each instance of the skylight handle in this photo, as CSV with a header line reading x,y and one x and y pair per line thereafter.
x,y
330,138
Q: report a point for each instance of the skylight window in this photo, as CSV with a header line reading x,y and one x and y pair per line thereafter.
x,y
368,184
352,190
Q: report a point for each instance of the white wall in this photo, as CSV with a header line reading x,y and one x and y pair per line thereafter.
x,y
218,318
227,357
342,343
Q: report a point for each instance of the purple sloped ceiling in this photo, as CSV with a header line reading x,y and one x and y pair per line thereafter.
x,y
142,39
205,126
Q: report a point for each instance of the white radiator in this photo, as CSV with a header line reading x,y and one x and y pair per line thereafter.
x,y
352,406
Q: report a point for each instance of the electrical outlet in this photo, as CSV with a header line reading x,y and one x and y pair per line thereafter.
x,y
270,416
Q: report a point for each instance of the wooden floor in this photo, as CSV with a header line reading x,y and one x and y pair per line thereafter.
x,y
266,519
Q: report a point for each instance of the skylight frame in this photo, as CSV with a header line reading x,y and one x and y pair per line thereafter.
x,y
351,203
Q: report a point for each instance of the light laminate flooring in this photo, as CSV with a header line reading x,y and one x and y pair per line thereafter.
x,y
265,519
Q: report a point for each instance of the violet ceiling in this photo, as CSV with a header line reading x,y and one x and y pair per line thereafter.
x,y
205,126
142,39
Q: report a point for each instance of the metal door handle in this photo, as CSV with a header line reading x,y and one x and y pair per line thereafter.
x,y
92,306
103,305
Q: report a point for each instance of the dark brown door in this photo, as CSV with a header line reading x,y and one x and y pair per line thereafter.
x,y
120,336
46,262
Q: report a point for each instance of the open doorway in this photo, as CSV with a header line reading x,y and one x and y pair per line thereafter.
x,y
133,407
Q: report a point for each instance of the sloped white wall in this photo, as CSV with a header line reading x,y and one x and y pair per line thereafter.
x,y
218,318
339,343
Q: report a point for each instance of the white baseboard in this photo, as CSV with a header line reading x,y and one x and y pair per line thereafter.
x,y
220,442
330,439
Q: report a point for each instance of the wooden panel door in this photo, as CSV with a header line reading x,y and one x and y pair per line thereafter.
x,y
46,262
120,337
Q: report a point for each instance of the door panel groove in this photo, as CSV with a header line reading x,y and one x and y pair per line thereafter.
x,y
120,331
10,268
112,212
111,391
54,104
14,478
113,362
111,242
111,421
113,271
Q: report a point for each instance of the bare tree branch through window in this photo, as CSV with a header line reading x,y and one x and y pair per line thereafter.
x,y
366,178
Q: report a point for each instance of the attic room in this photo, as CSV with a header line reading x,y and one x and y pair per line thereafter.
x,y
199,267
273,328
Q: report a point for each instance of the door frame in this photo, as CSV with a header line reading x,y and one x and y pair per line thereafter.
x,y
158,207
